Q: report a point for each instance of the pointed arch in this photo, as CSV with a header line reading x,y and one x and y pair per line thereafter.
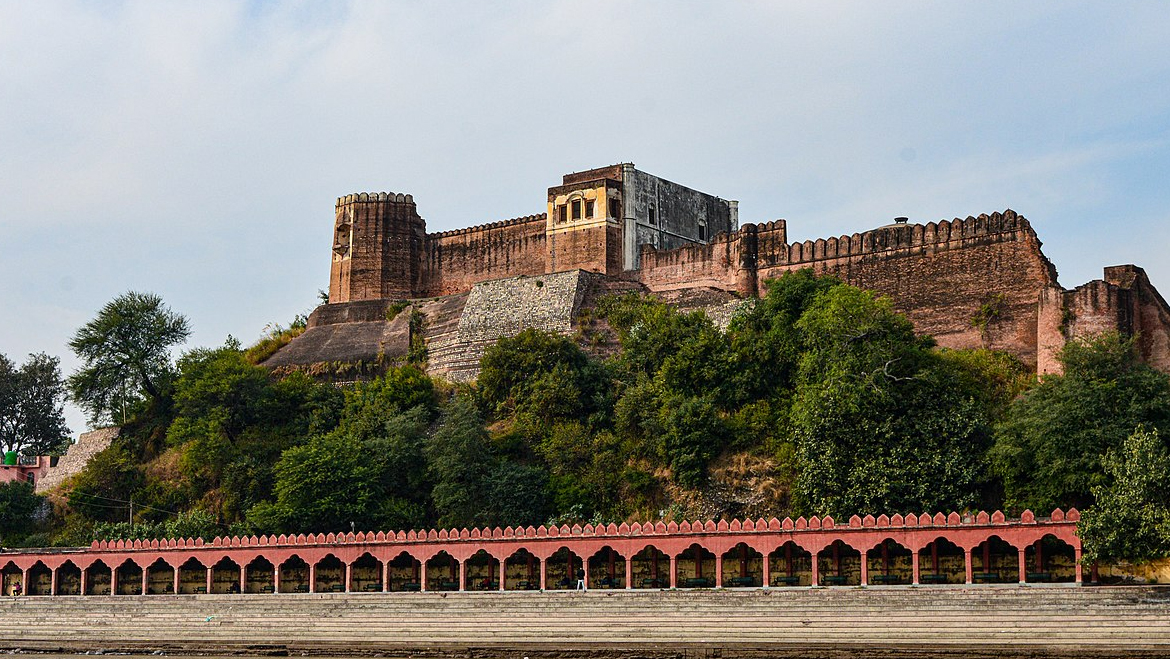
x,y
889,563
160,577
225,576
790,565
328,575
404,573
192,577
995,561
561,569
941,562
522,571
743,567
442,572
483,571
129,578
607,569
839,564
97,578
366,574
40,580
259,575
695,567
650,568
10,576
1050,560
294,575
68,579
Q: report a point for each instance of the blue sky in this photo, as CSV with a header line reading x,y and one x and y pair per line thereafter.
x,y
196,149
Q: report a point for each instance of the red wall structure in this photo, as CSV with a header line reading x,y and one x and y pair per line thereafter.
x,y
896,549
455,260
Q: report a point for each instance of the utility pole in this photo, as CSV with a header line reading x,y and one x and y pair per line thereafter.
x,y
131,512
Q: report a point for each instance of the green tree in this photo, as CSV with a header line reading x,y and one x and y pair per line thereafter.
x,y
541,374
1048,450
125,354
1131,517
368,470
879,424
192,524
18,509
337,479
32,415
766,344
220,387
232,422
103,490
685,350
695,434
369,405
473,485
459,457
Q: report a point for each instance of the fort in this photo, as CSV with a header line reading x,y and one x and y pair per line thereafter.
x,y
976,282
957,584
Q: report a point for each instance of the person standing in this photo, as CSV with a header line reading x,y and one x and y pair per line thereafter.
x,y
581,578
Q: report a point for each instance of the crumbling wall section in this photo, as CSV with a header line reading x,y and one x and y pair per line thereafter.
x,y
344,341
1124,301
1095,307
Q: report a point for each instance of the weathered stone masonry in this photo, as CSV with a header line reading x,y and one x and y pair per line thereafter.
x,y
976,282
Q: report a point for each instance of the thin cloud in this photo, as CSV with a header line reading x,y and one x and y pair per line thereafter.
x,y
196,150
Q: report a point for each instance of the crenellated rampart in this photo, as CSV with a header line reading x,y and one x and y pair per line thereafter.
x,y
456,260
730,261
975,282
970,282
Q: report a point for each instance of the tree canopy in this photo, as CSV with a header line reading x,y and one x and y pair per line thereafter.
x,y
32,415
18,509
1050,445
1131,516
125,354
817,398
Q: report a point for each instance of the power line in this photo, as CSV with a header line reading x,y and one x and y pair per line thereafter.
x,y
131,503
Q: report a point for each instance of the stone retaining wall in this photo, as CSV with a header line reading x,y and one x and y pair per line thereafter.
x,y
88,445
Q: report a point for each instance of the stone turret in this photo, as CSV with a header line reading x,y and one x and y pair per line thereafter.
x,y
378,248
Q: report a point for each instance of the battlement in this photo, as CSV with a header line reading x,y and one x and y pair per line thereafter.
x,y
975,282
480,228
997,226
365,197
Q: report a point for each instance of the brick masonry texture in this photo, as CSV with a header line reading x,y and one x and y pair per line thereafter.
x,y
976,282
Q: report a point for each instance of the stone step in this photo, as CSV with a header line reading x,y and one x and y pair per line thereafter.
x,y
1105,618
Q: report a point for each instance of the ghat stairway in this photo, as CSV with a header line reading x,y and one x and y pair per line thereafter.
x,y
988,621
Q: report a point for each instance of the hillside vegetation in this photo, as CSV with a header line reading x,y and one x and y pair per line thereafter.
x,y
818,399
